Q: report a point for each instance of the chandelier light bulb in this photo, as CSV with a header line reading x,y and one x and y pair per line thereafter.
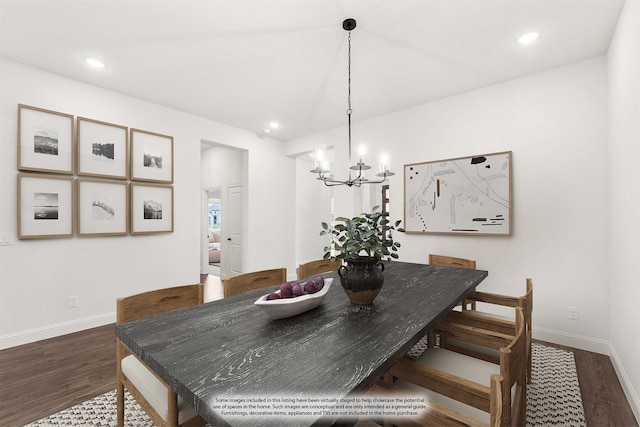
x,y
319,157
384,162
326,166
362,150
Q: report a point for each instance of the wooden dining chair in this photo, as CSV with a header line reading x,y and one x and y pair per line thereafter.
x,y
157,399
449,261
320,266
256,280
463,390
449,330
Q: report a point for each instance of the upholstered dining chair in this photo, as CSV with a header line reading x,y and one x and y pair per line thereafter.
x,y
320,266
158,400
463,390
256,280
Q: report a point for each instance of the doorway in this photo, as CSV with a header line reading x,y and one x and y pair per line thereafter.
x,y
223,208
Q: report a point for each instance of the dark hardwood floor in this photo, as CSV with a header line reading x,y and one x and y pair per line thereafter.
x,y
45,377
604,401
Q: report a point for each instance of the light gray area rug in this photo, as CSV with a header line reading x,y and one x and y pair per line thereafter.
x,y
553,398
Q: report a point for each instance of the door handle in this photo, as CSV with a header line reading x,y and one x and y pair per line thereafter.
x,y
229,239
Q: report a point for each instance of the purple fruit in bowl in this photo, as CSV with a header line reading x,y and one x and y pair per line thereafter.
x,y
310,287
285,290
296,289
273,296
319,282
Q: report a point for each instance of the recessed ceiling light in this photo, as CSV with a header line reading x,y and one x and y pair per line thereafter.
x,y
274,125
267,130
528,38
94,63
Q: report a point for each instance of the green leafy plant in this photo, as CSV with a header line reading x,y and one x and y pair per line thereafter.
x,y
362,236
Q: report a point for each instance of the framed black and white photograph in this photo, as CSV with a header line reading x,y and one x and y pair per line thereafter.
x,y
45,140
102,149
465,195
45,206
151,209
151,156
103,207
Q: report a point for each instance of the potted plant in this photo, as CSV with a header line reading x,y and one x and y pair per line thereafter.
x,y
362,242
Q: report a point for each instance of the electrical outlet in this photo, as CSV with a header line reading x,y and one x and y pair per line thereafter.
x,y
73,301
572,313
6,239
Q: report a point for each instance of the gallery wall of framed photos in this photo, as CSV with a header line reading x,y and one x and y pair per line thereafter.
x,y
86,177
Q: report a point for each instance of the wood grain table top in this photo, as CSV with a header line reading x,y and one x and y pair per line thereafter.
x,y
230,347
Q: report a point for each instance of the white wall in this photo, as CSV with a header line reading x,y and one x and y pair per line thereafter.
x,y
37,276
556,125
624,199
271,210
312,208
221,166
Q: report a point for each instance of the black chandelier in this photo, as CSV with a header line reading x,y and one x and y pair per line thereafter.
x,y
322,167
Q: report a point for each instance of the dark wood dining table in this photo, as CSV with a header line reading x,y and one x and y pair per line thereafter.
x,y
232,348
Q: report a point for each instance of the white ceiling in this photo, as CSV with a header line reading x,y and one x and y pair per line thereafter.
x,y
248,62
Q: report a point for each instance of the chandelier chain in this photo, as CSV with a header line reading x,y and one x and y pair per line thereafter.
x,y
349,110
349,77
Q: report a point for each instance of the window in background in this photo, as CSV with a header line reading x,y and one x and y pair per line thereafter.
x,y
214,214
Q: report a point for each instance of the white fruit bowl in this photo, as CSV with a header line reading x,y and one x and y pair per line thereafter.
x,y
287,307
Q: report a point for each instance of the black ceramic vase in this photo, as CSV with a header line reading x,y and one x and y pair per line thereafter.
x,y
362,279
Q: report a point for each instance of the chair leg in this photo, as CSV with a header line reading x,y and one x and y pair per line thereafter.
x,y
172,405
432,339
387,378
119,385
120,403
529,357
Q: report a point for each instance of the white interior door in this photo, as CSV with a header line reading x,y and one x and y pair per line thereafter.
x,y
204,229
233,218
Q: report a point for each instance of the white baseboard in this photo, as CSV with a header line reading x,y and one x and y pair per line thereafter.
x,y
51,331
632,396
571,340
